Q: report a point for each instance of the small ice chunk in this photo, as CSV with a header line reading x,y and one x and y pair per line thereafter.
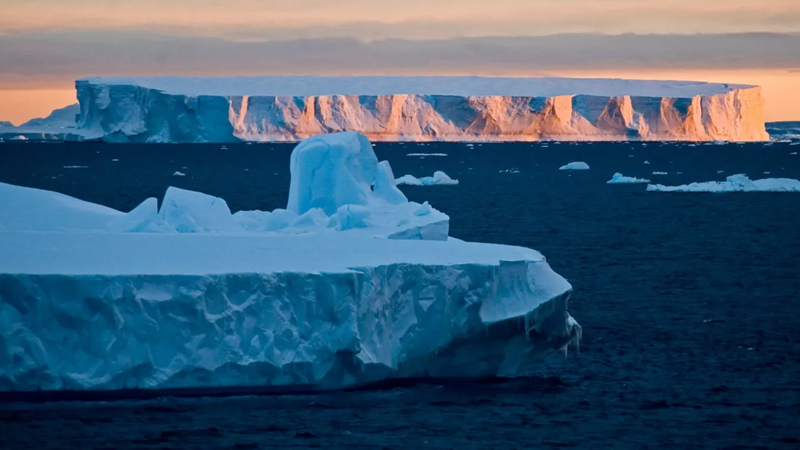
x,y
660,173
142,219
179,174
577,165
408,180
438,178
619,178
313,218
351,216
76,167
423,209
194,212
647,162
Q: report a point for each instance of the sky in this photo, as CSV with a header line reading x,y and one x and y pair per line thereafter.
x,y
46,44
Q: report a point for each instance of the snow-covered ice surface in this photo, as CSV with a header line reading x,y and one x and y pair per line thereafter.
x,y
311,297
577,165
619,178
174,109
438,178
734,183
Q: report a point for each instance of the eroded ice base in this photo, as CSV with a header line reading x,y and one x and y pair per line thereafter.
x,y
157,311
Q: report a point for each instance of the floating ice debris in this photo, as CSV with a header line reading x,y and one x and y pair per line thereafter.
x,y
76,167
618,178
647,162
661,173
438,178
114,160
179,174
720,171
426,154
576,165
511,170
734,183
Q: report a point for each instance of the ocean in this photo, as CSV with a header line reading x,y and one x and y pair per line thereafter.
x,y
689,302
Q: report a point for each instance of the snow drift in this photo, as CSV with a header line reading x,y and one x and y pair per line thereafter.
x,y
350,284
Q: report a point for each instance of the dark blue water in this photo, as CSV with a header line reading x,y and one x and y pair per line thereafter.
x,y
690,303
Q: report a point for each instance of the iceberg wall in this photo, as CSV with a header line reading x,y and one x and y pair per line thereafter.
x,y
416,109
91,327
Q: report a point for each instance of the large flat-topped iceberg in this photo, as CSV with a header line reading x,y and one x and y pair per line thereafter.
x,y
172,109
350,284
305,86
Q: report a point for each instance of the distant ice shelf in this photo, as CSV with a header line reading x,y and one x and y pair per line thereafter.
x,y
174,109
350,284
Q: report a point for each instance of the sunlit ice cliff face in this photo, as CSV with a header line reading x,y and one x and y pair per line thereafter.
x,y
172,109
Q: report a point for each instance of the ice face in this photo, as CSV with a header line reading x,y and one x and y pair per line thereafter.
x,y
385,186
330,171
132,310
734,183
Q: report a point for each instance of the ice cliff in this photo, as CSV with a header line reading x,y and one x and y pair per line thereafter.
x,y
416,109
350,284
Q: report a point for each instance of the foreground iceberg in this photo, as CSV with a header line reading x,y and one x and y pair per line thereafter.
x,y
174,109
619,178
438,178
314,296
734,183
577,165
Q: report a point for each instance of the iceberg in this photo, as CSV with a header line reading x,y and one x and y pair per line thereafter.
x,y
60,125
619,178
734,183
578,165
438,178
389,108
350,284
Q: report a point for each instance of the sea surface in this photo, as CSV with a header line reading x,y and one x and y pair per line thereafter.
x,y
689,302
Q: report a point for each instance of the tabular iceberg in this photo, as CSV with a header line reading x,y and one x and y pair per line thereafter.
x,y
350,284
619,178
170,109
734,183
